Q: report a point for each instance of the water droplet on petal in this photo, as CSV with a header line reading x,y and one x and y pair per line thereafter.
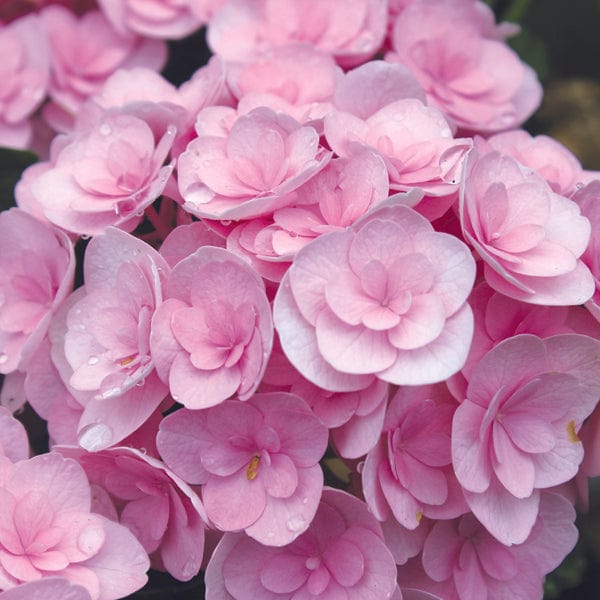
x,y
579,185
226,223
295,524
105,129
3,358
140,383
95,436
93,360
304,500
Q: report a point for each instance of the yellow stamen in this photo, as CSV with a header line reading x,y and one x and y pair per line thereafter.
x,y
252,469
573,437
419,516
127,361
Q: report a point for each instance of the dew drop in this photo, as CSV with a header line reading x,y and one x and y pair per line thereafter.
x,y
3,358
579,185
95,436
206,164
93,360
85,237
226,223
140,383
360,466
105,129
295,523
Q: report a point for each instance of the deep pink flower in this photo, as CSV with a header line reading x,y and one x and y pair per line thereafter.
x,y
247,171
258,462
37,267
163,512
409,473
342,555
529,237
47,530
105,175
516,431
453,49
212,336
384,298
350,30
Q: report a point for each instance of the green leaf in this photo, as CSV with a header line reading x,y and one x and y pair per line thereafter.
x,y
12,164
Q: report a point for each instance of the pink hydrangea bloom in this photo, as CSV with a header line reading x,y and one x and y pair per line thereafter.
x,y
37,267
107,342
384,298
14,443
85,51
350,30
463,561
588,200
105,175
139,486
47,530
213,334
529,237
186,239
248,170
258,462
453,49
341,555
516,431
409,473
51,588
546,156
23,78
332,200
164,19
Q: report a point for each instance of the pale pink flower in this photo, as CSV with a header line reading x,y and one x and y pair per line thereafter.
x,y
85,51
350,30
464,562
14,443
332,200
384,298
545,155
588,200
23,78
257,461
342,555
37,269
107,342
409,473
47,530
164,19
453,49
163,512
516,431
50,588
249,170
103,176
212,336
186,239
529,237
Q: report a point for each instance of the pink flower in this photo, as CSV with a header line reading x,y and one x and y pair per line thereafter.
x,y
51,588
138,486
105,175
470,564
164,19
212,335
23,78
342,555
107,342
47,530
516,431
384,298
247,171
14,443
409,473
453,49
37,267
350,30
258,462
85,51
529,237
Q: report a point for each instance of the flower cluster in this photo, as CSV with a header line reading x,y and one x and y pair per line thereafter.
x,y
332,245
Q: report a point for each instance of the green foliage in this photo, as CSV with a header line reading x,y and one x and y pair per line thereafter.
x,y
12,164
